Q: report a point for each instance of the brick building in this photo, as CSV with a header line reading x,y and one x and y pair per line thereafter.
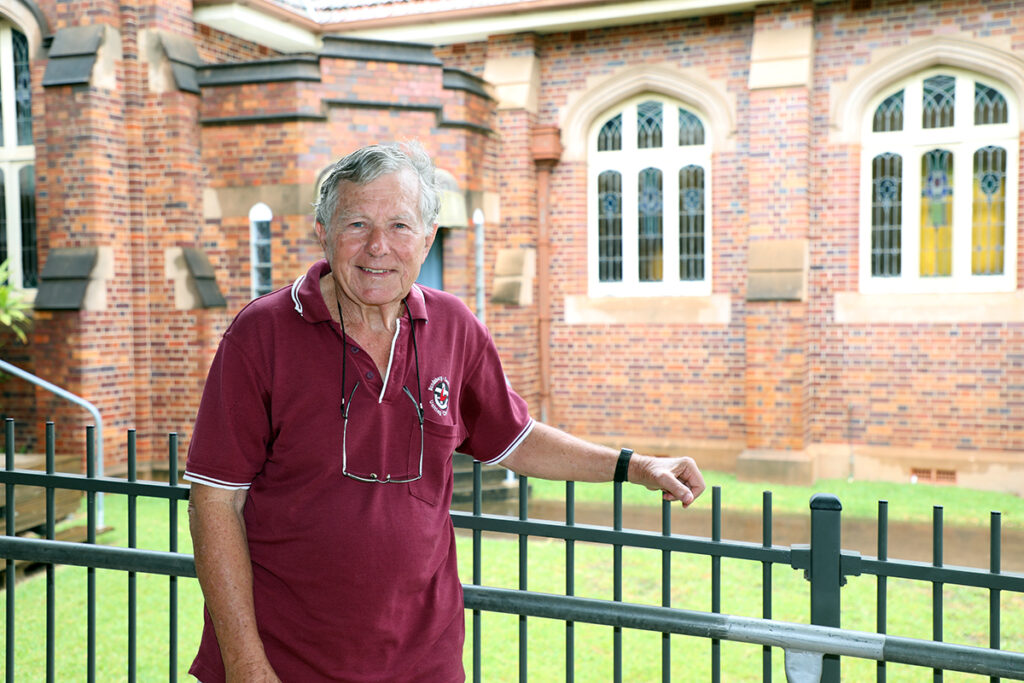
x,y
782,236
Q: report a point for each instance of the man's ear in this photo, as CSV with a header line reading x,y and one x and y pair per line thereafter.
x,y
321,235
429,241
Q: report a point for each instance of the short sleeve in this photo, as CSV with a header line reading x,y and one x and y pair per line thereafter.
x,y
232,429
496,417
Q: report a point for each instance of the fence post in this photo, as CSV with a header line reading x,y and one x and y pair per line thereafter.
x,y
826,571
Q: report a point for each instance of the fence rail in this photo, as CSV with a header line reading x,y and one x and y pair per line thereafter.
x,y
812,651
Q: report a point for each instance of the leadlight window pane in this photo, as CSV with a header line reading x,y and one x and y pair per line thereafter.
x,y
610,137
262,271
691,130
22,88
609,226
651,230
29,253
989,105
886,215
691,223
3,219
937,213
648,124
889,114
938,100
989,221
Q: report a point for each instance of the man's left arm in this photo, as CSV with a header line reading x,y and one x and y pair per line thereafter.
x,y
549,453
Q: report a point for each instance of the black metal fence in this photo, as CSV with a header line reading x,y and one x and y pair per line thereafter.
x,y
811,651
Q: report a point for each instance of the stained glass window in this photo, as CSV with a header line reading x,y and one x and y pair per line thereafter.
x,y
938,102
22,88
29,254
937,213
989,105
610,137
889,114
691,130
3,219
886,215
18,231
650,239
260,218
989,215
691,223
609,226
648,124
649,217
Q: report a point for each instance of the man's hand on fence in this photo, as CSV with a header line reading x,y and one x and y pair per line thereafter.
x,y
678,478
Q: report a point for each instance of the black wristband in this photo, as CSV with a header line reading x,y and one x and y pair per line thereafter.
x,y
622,466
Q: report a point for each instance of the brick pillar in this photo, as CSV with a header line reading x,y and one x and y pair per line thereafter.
x,y
513,68
777,379
118,169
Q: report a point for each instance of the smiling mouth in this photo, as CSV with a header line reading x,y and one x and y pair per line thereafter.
x,y
374,271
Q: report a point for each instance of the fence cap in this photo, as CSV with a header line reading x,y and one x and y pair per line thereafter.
x,y
825,501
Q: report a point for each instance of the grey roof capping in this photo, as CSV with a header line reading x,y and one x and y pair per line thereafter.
x,y
64,278
457,79
37,12
302,68
204,278
184,58
72,55
378,51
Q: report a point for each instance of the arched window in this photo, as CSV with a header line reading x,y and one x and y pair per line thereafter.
x,y
649,218
17,160
939,186
260,217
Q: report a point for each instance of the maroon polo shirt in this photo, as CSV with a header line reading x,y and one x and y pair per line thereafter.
x,y
353,581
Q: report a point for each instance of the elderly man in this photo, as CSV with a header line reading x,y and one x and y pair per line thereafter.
x,y
321,458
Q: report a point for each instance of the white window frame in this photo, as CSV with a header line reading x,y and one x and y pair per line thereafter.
x,y
963,139
13,158
629,161
260,213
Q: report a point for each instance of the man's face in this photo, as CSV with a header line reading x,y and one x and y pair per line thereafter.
x,y
377,242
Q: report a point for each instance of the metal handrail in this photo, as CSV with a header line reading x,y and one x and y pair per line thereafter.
x,y
79,401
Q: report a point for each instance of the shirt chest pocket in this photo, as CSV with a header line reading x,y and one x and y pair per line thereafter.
x,y
439,442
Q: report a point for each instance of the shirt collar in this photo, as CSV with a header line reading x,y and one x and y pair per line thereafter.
x,y
309,302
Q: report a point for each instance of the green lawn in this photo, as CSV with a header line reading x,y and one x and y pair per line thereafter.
x,y
966,616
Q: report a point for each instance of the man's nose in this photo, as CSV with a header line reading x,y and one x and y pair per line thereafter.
x,y
376,241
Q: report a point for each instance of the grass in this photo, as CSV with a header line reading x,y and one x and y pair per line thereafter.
x,y
966,616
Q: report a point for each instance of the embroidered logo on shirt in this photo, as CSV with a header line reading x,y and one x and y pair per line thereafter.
x,y
440,393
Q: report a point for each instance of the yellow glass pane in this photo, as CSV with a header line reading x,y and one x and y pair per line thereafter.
x,y
937,214
988,219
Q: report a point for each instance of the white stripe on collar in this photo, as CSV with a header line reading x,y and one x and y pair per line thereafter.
x,y
295,292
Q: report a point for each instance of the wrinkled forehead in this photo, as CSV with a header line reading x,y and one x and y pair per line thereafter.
x,y
389,196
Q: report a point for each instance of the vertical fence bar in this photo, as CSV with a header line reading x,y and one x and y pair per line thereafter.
x,y
478,506
524,496
132,543
9,570
766,581
617,582
937,585
826,572
716,580
882,582
51,570
666,590
172,480
90,498
570,581
995,562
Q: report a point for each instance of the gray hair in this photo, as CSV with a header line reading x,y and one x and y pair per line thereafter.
x,y
369,163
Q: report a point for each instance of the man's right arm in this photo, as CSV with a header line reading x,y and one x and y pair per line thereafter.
x,y
225,575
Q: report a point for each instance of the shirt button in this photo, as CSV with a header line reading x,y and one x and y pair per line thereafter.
x,y
369,375
355,349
